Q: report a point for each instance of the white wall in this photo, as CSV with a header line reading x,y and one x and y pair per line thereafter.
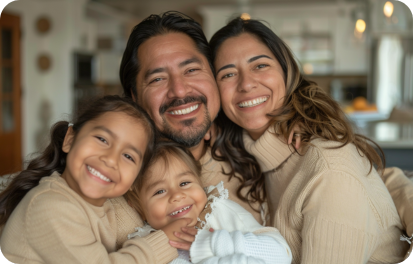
x,y
70,31
349,54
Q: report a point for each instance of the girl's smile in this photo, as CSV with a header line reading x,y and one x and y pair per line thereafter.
x,y
105,156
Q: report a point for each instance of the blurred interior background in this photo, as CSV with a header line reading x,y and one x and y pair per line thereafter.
x,y
56,54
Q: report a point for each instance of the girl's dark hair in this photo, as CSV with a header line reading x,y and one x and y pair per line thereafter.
x,y
54,159
305,105
156,25
164,150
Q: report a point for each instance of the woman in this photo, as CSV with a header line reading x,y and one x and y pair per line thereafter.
x,y
326,198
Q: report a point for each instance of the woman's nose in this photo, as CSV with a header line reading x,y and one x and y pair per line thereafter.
x,y
246,83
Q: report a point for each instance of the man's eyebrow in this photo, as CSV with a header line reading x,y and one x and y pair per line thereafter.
x,y
258,57
149,72
189,61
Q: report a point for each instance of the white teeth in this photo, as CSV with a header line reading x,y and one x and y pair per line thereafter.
x,y
184,111
254,102
180,211
98,174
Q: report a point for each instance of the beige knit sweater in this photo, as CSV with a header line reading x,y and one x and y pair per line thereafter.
x,y
53,224
326,204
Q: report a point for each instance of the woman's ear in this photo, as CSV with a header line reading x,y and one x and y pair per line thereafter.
x,y
68,141
133,96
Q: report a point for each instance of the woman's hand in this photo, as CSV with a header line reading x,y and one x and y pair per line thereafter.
x,y
295,133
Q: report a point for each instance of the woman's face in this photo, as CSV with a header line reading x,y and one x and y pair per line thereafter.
x,y
250,81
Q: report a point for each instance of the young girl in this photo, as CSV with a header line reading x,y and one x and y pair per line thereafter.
x,y
55,211
170,190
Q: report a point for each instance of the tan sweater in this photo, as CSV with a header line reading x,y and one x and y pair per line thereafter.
x,y
53,224
326,205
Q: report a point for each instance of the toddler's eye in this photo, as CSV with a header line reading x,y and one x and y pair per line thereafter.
x,y
184,183
159,192
102,139
129,157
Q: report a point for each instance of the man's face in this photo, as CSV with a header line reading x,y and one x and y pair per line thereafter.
x,y
175,85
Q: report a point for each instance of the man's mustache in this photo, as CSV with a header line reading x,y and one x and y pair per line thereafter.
x,y
178,102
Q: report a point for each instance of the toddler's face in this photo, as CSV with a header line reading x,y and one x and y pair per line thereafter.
x,y
172,193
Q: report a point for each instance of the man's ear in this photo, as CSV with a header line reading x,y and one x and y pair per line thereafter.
x,y
68,141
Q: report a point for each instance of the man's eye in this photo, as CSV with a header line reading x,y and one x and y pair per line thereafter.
x,y
156,80
102,139
192,70
129,157
159,192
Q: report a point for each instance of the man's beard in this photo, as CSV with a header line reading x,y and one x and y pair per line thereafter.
x,y
192,135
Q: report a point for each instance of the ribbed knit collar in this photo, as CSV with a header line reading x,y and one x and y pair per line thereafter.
x,y
269,150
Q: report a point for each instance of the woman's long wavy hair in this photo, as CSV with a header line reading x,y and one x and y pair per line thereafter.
x,y
305,105
53,159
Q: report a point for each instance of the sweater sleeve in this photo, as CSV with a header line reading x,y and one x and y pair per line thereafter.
x,y
401,191
262,248
60,232
339,221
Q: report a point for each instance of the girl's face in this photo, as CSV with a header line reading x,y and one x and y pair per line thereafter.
x,y
172,193
250,81
105,156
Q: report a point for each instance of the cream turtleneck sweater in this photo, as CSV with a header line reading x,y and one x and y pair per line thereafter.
x,y
327,205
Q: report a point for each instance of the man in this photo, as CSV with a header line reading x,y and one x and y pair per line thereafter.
x,y
167,69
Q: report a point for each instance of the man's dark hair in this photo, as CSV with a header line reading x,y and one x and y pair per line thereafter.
x,y
152,26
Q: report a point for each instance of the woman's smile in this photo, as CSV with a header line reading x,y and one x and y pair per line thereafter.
x,y
251,82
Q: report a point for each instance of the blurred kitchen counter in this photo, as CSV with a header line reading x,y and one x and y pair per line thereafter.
x,y
395,139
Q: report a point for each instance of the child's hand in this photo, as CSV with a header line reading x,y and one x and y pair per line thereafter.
x,y
175,226
187,236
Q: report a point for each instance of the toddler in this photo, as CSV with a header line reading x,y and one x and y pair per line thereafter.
x,y
170,190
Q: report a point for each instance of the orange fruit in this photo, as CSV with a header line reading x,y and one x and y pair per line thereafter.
x,y
360,103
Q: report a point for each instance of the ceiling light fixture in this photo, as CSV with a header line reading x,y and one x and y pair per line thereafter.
x,y
388,9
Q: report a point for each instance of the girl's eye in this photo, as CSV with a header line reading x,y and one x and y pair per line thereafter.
x,y
159,192
102,139
184,183
129,157
228,75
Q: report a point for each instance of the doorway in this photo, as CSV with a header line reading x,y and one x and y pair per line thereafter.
x,y
10,94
